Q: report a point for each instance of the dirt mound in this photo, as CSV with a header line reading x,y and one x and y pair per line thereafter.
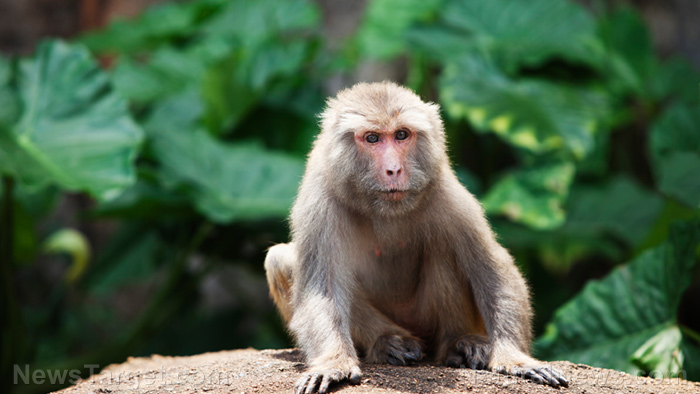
x,y
275,371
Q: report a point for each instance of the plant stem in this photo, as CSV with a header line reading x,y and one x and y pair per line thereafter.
x,y
9,312
692,334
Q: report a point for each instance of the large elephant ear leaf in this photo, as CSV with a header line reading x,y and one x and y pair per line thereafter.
x,y
532,196
675,150
535,115
74,130
243,181
628,320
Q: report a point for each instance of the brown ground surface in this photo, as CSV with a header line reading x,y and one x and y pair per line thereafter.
x,y
275,371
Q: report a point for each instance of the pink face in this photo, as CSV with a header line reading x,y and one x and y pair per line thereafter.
x,y
389,151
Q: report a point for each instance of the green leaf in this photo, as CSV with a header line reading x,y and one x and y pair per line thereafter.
x,y
74,131
382,32
678,177
228,181
74,243
677,78
145,200
619,207
559,249
469,180
131,255
691,355
532,196
233,87
159,24
661,352
675,149
251,23
611,319
628,57
167,71
536,115
523,32
9,100
677,129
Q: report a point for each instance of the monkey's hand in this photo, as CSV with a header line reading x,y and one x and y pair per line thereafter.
x,y
529,368
317,379
472,351
395,350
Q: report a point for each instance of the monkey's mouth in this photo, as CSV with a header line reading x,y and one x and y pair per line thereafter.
x,y
394,194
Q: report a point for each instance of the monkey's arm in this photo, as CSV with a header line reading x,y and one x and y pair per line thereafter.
x,y
321,302
502,298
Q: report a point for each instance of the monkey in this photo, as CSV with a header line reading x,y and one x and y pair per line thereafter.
x,y
391,259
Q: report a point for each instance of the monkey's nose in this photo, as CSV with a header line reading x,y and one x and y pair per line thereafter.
x,y
391,173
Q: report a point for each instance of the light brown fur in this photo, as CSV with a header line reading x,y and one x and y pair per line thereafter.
x,y
391,280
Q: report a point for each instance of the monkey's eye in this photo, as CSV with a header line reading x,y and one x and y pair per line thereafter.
x,y
372,138
401,134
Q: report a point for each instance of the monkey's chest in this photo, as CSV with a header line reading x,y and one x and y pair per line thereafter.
x,y
393,286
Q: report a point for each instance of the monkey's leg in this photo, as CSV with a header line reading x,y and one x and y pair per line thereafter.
x,y
461,337
280,262
382,340
501,297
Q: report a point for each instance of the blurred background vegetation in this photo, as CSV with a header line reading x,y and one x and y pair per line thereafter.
x,y
149,163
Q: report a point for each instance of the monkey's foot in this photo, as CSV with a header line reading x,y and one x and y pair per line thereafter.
x,y
472,351
538,373
395,350
318,380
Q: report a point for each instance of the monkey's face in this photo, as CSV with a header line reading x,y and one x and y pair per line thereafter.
x,y
390,153
385,146
382,172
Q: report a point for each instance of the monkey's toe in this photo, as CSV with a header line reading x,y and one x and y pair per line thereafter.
x,y
471,351
396,350
541,374
320,380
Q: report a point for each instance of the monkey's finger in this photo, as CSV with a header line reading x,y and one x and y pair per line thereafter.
x,y
535,377
323,387
416,354
564,382
453,360
411,357
476,363
355,375
395,360
502,370
300,387
313,383
548,376
529,374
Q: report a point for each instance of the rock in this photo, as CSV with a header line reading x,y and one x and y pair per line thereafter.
x,y
275,371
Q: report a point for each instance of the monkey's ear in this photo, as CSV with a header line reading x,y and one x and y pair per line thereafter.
x,y
436,119
435,109
328,119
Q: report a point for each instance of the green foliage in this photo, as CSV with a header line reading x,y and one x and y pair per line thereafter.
x,y
381,33
560,118
582,145
243,181
520,32
73,131
675,147
9,102
619,208
533,196
74,243
627,321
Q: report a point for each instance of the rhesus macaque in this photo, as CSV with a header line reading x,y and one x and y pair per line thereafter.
x,y
391,257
